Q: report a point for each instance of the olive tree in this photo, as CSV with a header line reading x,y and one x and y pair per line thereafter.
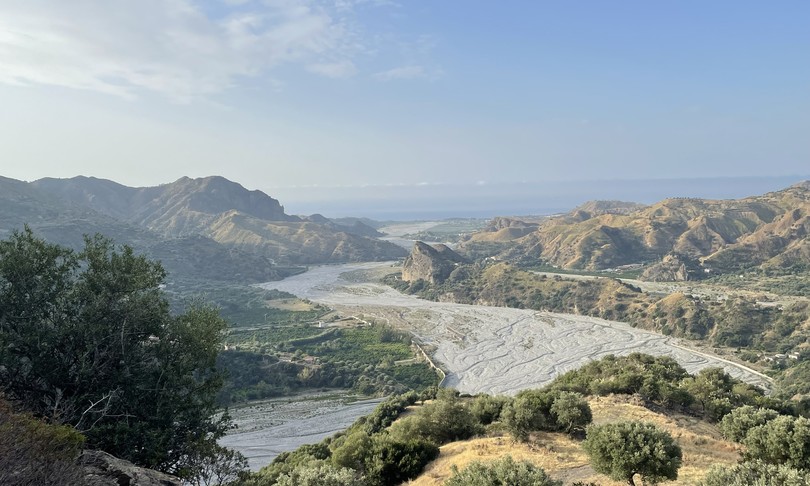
x,y
735,425
756,473
783,440
505,471
622,450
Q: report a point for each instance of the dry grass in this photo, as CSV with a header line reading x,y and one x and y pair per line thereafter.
x,y
563,458
296,305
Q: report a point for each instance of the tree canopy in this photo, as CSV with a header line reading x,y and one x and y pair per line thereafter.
x,y
623,449
87,340
503,472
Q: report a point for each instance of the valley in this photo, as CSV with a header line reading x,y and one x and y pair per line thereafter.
x,y
492,349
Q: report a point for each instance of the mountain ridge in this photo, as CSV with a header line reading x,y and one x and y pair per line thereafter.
x,y
721,235
202,212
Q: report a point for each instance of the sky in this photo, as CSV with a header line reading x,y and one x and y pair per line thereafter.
x,y
282,95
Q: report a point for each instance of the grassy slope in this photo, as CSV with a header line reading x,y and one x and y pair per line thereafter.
x,y
563,458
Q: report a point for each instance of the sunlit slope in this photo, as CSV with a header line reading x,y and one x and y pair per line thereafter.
x,y
563,457
724,234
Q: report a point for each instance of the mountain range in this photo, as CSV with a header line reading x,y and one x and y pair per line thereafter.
x,y
673,235
207,227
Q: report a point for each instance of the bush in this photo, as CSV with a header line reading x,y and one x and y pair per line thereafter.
x,y
783,440
570,411
534,410
33,452
441,421
393,461
756,473
735,425
622,450
320,475
487,408
504,471
529,411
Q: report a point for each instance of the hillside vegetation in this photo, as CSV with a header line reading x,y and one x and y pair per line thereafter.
x,y
431,438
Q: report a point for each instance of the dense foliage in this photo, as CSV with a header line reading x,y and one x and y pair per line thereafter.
x,y
87,340
735,425
756,473
503,472
625,449
548,410
783,440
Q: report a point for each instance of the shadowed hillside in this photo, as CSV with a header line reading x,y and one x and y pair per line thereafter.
x,y
228,213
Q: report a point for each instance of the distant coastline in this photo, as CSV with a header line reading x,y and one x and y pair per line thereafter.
x,y
441,201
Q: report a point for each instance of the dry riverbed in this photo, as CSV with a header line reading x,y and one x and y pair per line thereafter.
x,y
270,427
493,349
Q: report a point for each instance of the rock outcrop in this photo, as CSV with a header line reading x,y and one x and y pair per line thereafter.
x,y
432,264
102,469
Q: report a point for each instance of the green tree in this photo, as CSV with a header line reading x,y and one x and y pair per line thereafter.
x,y
352,450
487,408
571,412
323,474
503,472
622,450
444,420
529,411
711,387
735,425
756,473
783,440
87,340
393,460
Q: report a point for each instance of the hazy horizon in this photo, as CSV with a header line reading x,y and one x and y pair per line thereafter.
x,y
443,201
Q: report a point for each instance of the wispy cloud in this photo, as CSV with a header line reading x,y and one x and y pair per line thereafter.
x,y
402,72
340,69
171,47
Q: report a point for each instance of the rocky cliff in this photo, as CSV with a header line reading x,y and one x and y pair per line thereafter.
x,y
102,469
432,264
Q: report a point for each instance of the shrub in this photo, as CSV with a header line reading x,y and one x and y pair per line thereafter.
x,y
756,473
534,410
393,461
571,412
505,471
33,452
440,421
735,425
320,475
783,440
487,408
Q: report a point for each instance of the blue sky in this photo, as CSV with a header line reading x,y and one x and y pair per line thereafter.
x,y
279,94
